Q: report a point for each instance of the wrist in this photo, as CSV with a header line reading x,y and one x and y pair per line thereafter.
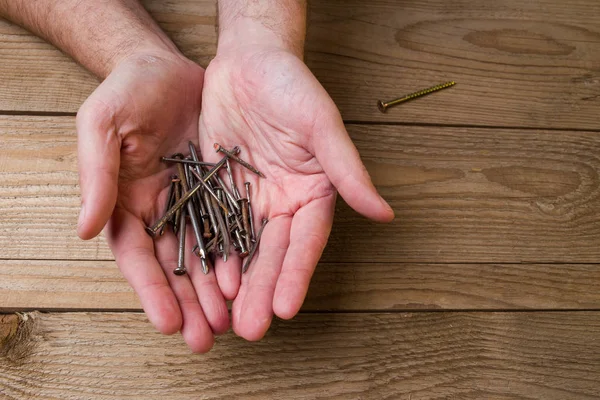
x,y
241,32
156,47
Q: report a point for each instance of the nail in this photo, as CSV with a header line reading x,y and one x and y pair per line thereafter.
x,y
214,169
177,215
227,246
193,151
193,218
383,106
234,189
248,260
212,243
250,214
184,198
198,196
211,213
239,225
204,264
210,191
180,270
242,245
231,155
245,220
230,197
190,162
222,227
170,199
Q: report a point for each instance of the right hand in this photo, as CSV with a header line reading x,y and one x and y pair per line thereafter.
x,y
147,107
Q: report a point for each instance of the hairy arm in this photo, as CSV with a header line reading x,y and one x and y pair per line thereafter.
x,y
97,34
255,22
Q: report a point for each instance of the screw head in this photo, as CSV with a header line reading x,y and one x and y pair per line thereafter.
x,y
179,271
382,107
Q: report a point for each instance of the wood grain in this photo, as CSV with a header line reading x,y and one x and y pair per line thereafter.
x,y
98,285
526,65
460,195
326,356
520,65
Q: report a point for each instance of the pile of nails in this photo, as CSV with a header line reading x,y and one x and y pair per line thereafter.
x,y
220,217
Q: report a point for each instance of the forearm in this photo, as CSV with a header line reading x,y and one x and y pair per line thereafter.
x,y
97,34
281,23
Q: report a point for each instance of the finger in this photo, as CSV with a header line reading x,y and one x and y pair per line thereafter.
x,y
98,155
195,329
253,307
340,160
229,275
134,253
309,233
208,292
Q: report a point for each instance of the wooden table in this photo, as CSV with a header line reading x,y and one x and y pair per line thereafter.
x,y
485,286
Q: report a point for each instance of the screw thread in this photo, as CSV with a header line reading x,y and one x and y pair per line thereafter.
x,y
384,105
429,90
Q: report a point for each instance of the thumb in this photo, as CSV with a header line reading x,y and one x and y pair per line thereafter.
x,y
98,155
340,160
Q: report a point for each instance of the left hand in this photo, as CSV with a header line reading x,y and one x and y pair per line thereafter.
x,y
147,107
266,100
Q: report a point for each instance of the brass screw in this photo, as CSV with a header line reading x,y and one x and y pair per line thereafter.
x,y
383,106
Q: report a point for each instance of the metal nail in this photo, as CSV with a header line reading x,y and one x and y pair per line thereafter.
x,y
214,170
227,246
211,213
231,155
230,196
248,260
170,199
192,213
184,198
210,191
241,244
185,161
234,188
180,270
198,169
245,220
239,225
383,106
250,213
177,215
222,227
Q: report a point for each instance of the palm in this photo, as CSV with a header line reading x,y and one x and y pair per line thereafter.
x,y
270,104
146,108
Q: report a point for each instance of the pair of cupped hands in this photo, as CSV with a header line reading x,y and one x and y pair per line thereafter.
x,y
260,98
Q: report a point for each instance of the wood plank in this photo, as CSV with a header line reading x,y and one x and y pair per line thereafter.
x,y
526,65
460,195
326,356
530,65
98,285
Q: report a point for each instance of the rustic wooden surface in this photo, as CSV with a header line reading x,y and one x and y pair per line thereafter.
x,y
517,64
495,183
334,356
98,285
460,195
